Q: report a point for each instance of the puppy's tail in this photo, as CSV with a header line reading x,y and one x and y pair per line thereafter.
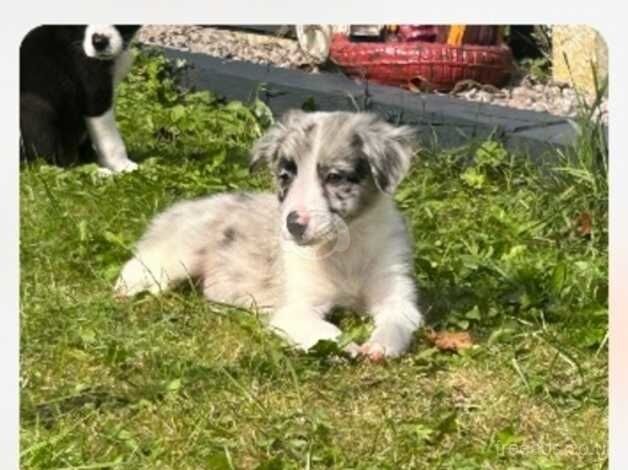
x,y
172,250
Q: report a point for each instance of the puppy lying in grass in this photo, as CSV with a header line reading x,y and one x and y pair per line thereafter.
x,y
331,236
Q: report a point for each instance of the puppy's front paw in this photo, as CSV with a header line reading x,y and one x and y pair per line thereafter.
x,y
121,166
374,352
128,166
352,349
302,327
135,278
104,172
387,341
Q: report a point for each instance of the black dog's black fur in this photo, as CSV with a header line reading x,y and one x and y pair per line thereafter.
x,y
59,87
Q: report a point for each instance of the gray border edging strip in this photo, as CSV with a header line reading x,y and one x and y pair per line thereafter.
x,y
447,120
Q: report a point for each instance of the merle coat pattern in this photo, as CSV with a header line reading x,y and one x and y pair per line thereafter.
x,y
330,236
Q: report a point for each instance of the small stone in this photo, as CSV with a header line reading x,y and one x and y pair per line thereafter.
x,y
519,92
540,107
569,93
484,96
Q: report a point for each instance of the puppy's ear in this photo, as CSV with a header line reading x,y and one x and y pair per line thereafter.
x,y
389,150
268,147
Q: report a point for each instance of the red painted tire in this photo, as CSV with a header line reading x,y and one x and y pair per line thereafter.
x,y
422,65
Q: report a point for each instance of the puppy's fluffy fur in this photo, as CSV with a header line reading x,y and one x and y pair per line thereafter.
x,y
67,80
331,236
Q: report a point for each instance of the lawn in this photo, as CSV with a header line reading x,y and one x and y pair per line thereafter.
x,y
512,253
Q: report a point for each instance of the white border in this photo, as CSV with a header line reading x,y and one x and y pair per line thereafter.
x,y
607,17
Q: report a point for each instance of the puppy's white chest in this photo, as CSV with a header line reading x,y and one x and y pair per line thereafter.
x,y
348,278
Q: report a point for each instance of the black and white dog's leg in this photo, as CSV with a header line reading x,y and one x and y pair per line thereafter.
x,y
40,135
108,142
396,318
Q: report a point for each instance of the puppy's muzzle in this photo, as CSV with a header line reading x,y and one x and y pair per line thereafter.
x,y
296,224
100,42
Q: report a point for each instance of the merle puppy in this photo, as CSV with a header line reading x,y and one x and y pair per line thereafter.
x,y
330,236
68,74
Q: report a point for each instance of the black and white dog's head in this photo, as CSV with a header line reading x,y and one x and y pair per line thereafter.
x,y
331,167
107,41
103,42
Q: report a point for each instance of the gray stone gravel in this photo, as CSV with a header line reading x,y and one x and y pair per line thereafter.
x,y
523,93
229,44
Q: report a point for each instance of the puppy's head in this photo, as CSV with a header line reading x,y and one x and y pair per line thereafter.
x,y
106,41
332,167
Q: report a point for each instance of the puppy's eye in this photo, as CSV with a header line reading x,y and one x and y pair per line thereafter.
x,y
335,178
286,169
285,176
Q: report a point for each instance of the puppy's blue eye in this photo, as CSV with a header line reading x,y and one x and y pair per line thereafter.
x,y
335,178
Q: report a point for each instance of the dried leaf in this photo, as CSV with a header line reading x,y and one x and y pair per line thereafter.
x,y
584,224
450,340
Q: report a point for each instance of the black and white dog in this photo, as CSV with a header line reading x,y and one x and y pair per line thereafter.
x,y
68,74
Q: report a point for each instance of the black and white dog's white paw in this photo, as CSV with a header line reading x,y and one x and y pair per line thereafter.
x,y
106,172
108,143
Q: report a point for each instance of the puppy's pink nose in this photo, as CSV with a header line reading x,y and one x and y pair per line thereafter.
x,y
297,223
303,218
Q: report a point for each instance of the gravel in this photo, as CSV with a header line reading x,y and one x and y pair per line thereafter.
x,y
523,93
229,44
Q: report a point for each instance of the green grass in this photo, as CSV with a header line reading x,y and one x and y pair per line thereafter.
x,y
515,254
